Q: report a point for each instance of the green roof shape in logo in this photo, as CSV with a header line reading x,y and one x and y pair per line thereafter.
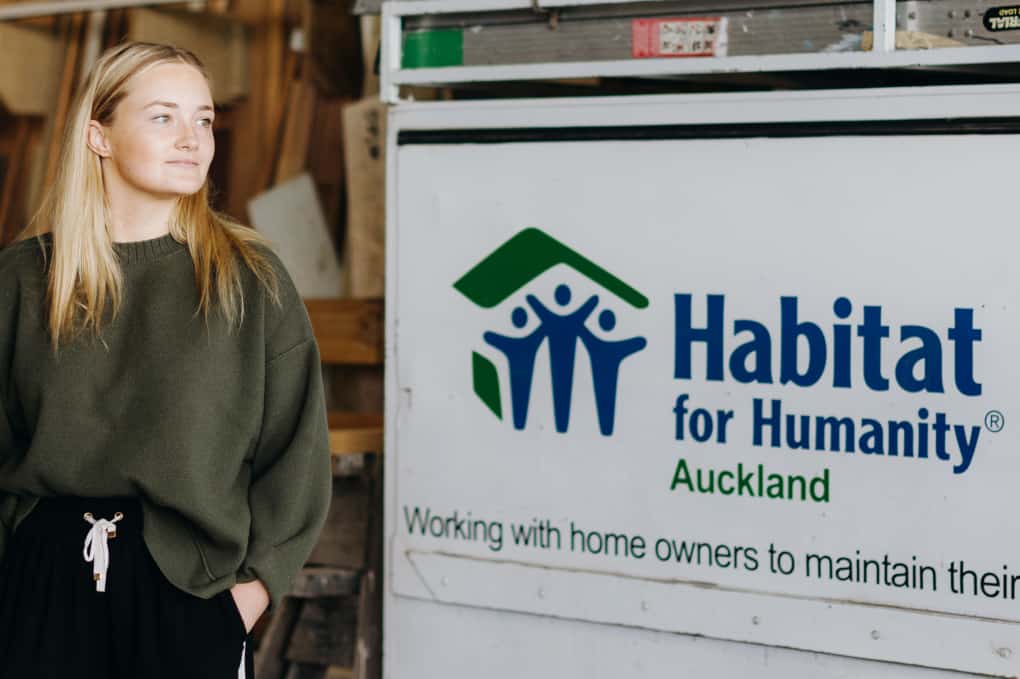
x,y
517,262
526,256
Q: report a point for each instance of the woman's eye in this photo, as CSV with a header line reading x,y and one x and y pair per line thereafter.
x,y
206,121
162,117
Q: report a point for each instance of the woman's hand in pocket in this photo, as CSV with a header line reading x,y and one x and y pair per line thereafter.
x,y
252,600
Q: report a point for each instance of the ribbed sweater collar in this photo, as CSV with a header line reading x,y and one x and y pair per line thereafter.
x,y
147,250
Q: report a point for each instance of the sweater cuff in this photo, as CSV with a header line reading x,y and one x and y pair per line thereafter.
x,y
263,568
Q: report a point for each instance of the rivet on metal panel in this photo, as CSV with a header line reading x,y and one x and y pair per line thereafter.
x,y
541,593
1004,652
911,8
644,605
755,620
443,581
874,634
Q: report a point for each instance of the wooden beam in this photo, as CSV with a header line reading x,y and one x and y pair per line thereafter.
x,y
25,10
314,582
326,165
364,157
349,331
354,433
269,659
65,94
257,117
17,138
297,131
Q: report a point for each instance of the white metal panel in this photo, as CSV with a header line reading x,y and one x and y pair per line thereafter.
x,y
429,641
444,576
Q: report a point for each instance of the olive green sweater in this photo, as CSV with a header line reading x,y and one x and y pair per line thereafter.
x,y
220,433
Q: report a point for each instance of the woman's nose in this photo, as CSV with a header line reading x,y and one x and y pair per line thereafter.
x,y
188,139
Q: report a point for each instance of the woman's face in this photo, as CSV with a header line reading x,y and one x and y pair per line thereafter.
x,y
160,141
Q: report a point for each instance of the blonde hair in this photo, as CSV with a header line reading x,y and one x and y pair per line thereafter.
x,y
85,273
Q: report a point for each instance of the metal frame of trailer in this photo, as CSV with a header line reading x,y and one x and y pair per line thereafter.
x,y
499,41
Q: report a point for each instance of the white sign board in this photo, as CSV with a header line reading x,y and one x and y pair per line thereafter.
x,y
753,385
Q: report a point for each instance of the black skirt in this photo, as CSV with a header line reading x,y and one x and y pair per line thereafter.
x,y
55,624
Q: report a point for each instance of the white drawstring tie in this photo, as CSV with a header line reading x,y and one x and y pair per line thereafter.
x,y
96,550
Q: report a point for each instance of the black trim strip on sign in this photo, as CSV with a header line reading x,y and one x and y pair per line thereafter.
x,y
868,128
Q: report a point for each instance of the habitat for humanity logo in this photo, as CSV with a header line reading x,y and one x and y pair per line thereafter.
x,y
504,273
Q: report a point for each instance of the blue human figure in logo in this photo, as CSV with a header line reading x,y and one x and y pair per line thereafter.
x,y
520,355
606,357
563,332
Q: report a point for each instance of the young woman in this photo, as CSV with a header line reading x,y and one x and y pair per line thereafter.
x,y
164,460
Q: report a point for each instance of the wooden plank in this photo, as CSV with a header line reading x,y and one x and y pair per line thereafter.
x,y
255,118
342,541
92,43
325,632
314,582
334,45
356,388
349,331
364,156
34,167
16,140
368,645
65,93
275,117
326,162
354,441
269,659
116,27
349,420
371,36
305,671
278,76
297,131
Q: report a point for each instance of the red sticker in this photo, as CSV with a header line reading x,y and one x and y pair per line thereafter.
x,y
686,37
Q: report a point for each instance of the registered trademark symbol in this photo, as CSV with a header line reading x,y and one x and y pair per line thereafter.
x,y
994,421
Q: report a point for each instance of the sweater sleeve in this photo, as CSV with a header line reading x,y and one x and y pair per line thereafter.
x,y
10,296
6,449
291,475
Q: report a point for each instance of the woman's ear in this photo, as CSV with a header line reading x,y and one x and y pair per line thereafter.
x,y
96,139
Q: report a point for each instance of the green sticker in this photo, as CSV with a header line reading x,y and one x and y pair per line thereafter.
x,y
433,49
